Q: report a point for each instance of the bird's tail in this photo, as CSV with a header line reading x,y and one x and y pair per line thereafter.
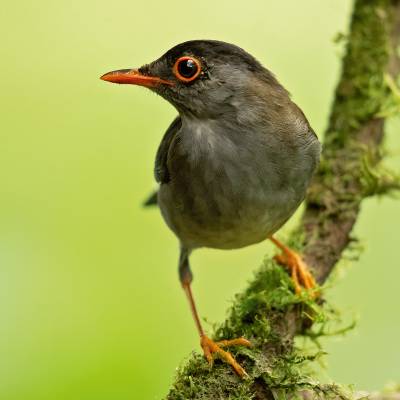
x,y
151,200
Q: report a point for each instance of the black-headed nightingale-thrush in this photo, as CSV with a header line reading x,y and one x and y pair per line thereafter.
x,y
235,163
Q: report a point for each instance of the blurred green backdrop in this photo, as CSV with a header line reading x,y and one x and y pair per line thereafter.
x,y
90,302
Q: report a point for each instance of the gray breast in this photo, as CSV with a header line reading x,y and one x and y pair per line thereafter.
x,y
230,188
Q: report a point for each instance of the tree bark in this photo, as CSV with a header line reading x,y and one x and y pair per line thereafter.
x,y
354,135
268,313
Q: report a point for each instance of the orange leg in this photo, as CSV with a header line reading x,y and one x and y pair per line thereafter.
x,y
301,276
209,346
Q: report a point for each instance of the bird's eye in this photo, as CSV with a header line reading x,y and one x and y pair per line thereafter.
x,y
187,69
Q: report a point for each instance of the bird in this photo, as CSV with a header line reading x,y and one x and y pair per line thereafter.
x,y
234,164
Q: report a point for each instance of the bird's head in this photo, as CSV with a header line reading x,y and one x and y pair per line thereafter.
x,y
201,78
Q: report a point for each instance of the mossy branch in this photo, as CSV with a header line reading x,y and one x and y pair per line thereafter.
x,y
267,312
350,170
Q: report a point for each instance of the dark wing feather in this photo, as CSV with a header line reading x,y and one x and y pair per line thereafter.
x,y
161,172
151,200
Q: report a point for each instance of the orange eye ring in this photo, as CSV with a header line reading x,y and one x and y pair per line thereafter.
x,y
187,69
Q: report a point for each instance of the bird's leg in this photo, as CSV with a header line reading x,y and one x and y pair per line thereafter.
x,y
208,345
301,275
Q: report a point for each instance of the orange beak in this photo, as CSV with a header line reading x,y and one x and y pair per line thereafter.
x,y
134,77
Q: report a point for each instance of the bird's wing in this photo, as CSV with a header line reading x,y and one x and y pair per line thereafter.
x,y
161,172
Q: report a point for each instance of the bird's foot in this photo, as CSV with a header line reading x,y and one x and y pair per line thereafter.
x,y
210,347
300,273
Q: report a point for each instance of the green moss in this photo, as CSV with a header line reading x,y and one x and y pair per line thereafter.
x,y
375,178
391,104
259,314
350,168
362,89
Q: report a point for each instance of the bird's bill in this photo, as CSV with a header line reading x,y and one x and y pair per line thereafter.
x,y
134,77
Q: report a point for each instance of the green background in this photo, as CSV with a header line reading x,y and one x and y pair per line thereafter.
x,y
90,305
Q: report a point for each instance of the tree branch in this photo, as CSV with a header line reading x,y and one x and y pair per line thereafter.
x,y
268,313
354,134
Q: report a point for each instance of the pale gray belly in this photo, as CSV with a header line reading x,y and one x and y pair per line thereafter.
x,y
215,215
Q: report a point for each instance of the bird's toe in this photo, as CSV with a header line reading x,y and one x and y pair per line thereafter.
x,y
211,348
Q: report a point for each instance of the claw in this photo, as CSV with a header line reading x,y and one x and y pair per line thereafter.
x,y
234,342
300,273
210,347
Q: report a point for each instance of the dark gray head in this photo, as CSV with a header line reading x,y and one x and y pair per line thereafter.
x,y
204,78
